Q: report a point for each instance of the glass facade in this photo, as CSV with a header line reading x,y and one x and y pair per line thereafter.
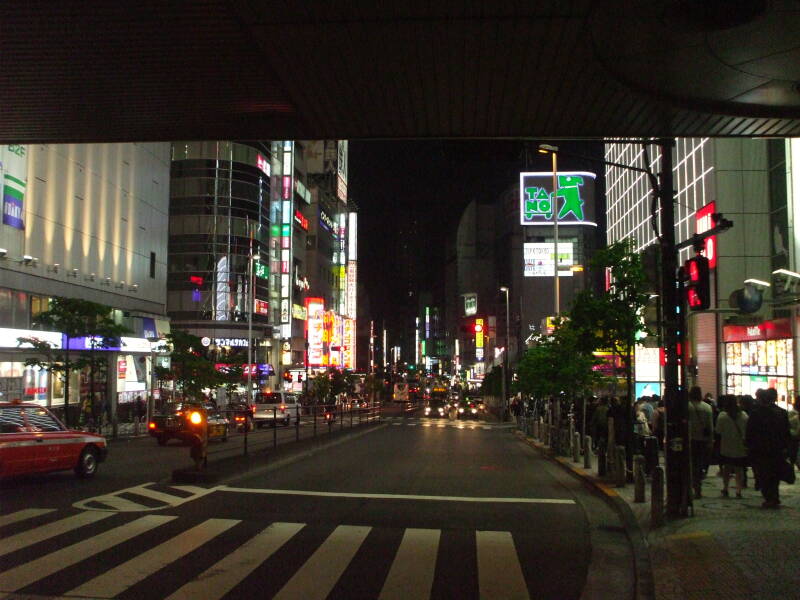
x,y
219,211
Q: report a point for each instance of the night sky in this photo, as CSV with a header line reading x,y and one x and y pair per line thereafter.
x,y
436,179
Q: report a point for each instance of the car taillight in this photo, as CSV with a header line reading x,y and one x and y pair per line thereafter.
x,y
152,425
283,407
253,409
178,413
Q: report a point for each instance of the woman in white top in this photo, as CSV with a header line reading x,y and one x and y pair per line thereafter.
x,y
731,427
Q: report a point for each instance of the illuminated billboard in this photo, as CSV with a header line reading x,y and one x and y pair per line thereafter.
x,y
538,259
574,199
349,344
315,331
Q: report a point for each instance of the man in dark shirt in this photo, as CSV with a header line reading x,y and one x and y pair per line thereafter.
x,y
767,440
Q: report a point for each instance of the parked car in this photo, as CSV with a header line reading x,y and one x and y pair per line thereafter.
x,y
275,407
33,440
171,422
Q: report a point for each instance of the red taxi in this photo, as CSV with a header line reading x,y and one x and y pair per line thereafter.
x,y
32,440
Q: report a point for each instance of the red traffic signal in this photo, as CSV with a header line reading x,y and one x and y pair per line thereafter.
x,y
697,286
287,376
478,327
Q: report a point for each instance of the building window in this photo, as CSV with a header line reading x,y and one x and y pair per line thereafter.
x,y
152,265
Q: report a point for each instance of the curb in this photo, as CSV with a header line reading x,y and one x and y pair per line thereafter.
x,y
643,570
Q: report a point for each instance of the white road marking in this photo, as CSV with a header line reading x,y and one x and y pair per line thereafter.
x,y
117,580
115,503
25,574
316,578
45,532
499,572
22,515
221,577
411,574
225,488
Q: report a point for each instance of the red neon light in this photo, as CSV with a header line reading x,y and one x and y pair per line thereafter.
x,y
196,279
301,220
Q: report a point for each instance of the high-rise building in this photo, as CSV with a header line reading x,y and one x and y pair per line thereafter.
x,y
755,184
83,221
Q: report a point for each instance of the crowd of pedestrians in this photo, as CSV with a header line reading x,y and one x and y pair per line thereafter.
x,y
736,432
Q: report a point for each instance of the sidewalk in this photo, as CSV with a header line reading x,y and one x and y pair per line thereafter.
x,y
731,549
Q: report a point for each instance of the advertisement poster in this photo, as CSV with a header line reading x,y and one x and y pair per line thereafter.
x,y
538,259
14,169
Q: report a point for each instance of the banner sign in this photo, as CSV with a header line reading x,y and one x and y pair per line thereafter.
x,y
538,258
14,167
315,308
574,199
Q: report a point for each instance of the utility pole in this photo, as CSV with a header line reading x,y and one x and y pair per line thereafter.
x,y
675,399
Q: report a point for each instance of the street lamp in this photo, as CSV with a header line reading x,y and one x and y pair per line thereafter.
x,y
504,289
553,151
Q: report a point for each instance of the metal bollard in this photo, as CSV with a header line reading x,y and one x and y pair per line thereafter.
x,y
587,452
638,478
576,447
620,475
657,498
602,461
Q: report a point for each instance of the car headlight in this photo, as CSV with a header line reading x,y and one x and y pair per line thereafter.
x,y
441,411
461,410
427,411
474,410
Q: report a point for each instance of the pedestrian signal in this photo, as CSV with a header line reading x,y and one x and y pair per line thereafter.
x,y
698,290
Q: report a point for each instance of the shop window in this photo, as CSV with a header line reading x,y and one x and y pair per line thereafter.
x,y
6,308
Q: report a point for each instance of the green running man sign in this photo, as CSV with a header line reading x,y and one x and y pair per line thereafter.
x,y
574,198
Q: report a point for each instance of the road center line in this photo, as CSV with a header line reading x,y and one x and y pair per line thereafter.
x,y
225,488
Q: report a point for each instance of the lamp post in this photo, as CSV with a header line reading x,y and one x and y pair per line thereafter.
x,y
553,152
504,289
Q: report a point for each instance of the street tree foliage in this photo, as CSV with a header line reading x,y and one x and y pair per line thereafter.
x,y
492,384
612,320
557,364
75,318
373,387
190,369
321,386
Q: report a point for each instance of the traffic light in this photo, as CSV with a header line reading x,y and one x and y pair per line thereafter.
x,y
478,327
698,290
287,376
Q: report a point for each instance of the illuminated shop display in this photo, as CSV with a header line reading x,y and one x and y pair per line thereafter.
x,y
760,356
315,331
574,199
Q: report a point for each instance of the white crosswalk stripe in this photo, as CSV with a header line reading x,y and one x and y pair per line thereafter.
x,y
29,572
24,515
410,574
117,580
499,571
51,530
223,576
319,574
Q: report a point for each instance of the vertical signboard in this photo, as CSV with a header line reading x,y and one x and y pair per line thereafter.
x,y
352,289
341,170
479,339
349,344
315,331
14,167
703,222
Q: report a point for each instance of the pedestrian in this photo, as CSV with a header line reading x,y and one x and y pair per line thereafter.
x,y
140,409
599,424
794,430
731,426
767,440
701,437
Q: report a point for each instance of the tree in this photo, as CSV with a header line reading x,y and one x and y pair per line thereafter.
x,y
190,370
556,364
373,386
322,387
613,320
492,383
75,319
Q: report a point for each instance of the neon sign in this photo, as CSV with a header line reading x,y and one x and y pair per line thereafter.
x,y
573,200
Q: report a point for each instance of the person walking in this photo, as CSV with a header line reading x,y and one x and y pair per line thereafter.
x,y
794,431
767,439
701,436
731,427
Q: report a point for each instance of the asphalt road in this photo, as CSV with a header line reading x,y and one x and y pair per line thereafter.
x,y
413,508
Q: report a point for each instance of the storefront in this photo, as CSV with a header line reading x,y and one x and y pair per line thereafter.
x,y
21,382
760,356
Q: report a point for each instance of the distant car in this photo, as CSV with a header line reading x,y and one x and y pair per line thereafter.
x,y
240,415
170,422
468,409
435,407
33,440
275,407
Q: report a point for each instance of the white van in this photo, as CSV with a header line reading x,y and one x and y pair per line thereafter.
x,y
275,408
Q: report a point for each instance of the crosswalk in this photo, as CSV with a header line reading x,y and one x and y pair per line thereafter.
x,y
445,423
144,497
180,558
